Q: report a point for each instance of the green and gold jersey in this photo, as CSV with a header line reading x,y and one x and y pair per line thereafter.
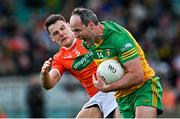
x,y
119,44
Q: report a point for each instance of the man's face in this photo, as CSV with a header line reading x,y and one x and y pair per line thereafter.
x,y
61,33
79,29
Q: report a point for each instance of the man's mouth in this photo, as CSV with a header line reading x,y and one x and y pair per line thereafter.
x,y
64,39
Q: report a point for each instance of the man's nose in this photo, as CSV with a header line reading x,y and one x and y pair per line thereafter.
x,y
61,33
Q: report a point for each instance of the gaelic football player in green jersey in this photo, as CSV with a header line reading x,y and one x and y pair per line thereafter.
x,y
139,92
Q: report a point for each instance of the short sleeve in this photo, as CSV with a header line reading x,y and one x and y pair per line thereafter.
x,y
57,64
125,47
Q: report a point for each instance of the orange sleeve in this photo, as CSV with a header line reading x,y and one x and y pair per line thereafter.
x,y
57,64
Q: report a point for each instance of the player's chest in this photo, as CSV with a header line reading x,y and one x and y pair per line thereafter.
x,y
80,58
103,51
77,58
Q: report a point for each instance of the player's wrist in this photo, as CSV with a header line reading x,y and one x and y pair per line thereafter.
x,y
106,88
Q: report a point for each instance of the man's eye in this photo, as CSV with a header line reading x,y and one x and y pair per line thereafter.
x,y
62,28
77,30
55,33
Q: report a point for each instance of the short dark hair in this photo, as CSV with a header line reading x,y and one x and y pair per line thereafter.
x,y
86,15
53,19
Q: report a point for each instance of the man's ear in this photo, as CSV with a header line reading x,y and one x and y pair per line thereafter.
x,y
91,25
68,24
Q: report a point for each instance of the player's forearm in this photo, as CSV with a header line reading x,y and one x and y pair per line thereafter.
x,y
129,80
134,75
46,81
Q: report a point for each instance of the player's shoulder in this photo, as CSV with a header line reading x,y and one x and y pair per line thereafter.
x,y
57,55
112,24
111,27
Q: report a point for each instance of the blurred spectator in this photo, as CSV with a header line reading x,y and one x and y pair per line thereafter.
x,y
169,98
35,99
2,114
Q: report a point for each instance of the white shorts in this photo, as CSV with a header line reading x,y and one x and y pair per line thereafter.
x,y
105,101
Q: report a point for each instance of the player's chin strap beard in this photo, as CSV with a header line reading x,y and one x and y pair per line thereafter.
x,y
88,42
100,35
98,39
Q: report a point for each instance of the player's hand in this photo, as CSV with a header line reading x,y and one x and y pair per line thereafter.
x,y
46,66
99,83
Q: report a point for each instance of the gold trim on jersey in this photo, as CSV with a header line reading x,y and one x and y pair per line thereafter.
x,y
155,93
99,43
98,61
128,51
129,54
99,50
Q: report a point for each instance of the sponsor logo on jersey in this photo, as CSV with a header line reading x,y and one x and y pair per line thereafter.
x,y
82,61
126,46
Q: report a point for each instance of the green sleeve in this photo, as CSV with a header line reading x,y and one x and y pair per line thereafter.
x,y
125,48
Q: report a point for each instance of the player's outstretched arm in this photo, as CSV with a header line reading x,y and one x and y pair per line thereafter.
x,y
48,78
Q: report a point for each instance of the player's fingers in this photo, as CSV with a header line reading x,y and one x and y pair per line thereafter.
x,y
95,81
98,76
46,66
50,60
43,69
94,77
47,62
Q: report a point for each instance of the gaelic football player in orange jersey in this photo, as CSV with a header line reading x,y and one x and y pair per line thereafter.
x,y
76,59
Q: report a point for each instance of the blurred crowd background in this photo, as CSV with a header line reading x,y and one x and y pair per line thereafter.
x,y
25,45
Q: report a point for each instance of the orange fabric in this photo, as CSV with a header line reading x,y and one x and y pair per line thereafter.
x,y
64,59
168,99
